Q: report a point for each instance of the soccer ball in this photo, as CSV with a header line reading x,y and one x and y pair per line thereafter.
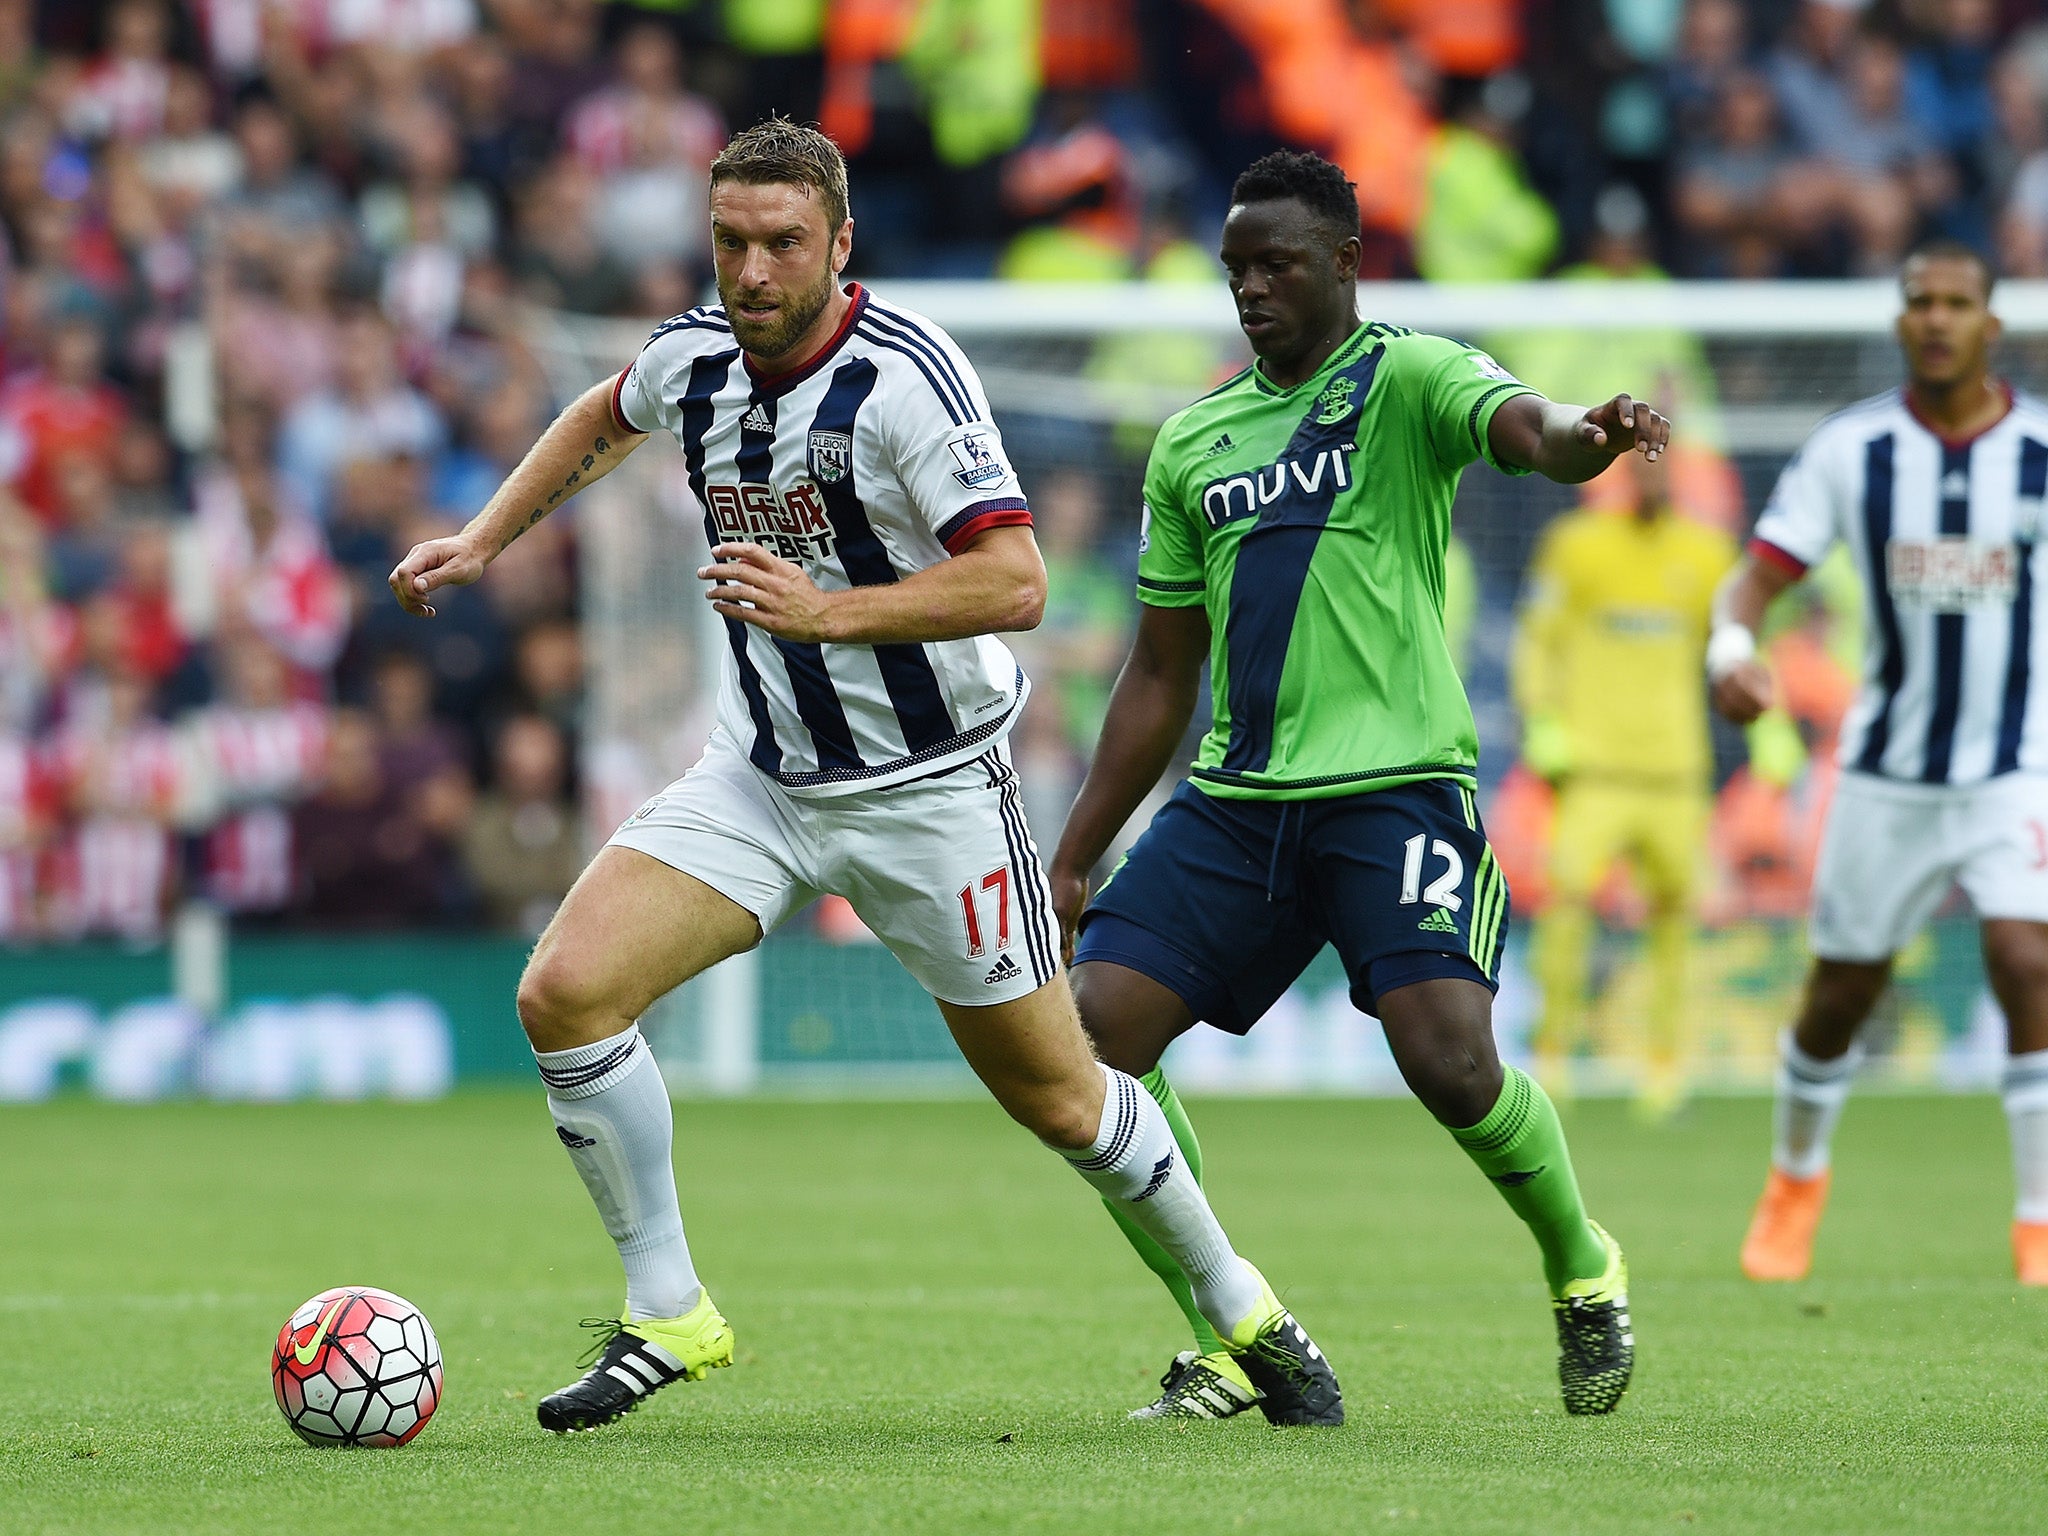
x,y
357,1366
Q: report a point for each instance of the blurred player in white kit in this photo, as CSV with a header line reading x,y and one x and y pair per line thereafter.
x,y
1937,491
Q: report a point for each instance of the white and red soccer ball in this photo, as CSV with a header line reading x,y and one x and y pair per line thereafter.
x,y
357,1366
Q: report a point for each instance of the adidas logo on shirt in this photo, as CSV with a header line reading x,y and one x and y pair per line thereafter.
x,y
1222,444
1439,921
756,419
1005,969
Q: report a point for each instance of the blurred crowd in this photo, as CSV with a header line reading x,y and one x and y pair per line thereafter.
x,y
257,341
264,263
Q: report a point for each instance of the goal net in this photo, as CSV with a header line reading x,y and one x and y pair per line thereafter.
x,y
1080,377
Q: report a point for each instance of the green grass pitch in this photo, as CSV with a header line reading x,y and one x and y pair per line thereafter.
x,y
940,1331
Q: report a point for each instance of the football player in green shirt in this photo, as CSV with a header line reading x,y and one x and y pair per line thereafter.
x,y
1294,533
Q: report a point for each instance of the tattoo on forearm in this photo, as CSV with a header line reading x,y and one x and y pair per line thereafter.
x,y
533,517
601,445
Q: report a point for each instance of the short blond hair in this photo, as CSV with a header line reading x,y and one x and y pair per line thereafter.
x,y
778,151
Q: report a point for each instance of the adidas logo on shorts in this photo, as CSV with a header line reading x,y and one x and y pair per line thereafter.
x,y
1005,969
1439,921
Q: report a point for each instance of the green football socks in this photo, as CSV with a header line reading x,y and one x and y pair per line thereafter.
x,y
1155,1257
1520,1146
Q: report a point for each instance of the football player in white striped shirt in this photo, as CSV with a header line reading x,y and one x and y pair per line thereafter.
x,y
1936,489
868,536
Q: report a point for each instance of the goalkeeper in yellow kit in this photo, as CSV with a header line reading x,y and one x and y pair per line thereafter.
x,y
1607,676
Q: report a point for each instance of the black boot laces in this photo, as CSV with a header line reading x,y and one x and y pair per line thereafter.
x,y
1270,1349
604,1329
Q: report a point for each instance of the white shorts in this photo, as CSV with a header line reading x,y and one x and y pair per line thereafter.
x,y
1891,851
942,869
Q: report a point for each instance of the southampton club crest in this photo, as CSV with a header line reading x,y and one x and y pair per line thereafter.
x,y
1333,403
831,456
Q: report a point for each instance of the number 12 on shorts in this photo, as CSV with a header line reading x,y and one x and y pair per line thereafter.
x,y
997,880
1443,890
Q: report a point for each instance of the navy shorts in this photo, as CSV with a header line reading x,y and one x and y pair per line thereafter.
x,y
1225,902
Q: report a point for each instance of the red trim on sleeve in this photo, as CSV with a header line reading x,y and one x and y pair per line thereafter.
x,y
1784,560
996,517
618,411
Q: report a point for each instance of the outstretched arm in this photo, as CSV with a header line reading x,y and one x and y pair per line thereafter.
x,y
1742,686
1148,711
1569,443
585,443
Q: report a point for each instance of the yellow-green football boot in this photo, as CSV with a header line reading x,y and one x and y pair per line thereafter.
x,y
1201,1387
630,1360
1596,1347
1295,1382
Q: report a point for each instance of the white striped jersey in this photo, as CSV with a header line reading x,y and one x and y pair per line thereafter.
x,y
874,460
1946,537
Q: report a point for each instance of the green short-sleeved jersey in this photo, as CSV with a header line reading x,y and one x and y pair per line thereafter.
x,y
1311,522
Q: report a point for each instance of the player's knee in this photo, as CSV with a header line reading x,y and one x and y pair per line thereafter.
x,y
1066,1113
1441,1034
558,1006
1068,1123
1066,1120
1449,1065
1458,1087
1454,1073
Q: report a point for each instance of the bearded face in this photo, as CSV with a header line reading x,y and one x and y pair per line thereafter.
x,y
768,318
778,264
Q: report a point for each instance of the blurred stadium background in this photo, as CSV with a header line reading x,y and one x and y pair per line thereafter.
x,y
288,284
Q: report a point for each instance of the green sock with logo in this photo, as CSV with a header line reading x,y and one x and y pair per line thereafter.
x,y
1156,1258
1520,1147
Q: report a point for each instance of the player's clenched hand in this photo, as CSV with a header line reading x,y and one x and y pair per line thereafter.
x,y
437,563
1624,423
755,587
1743,692
1069,897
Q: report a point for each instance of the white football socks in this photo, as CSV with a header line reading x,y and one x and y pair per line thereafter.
x,y
2026,1111
1811,1093
1136,1163
612,1112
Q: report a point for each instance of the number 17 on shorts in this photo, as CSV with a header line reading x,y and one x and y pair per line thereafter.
x,y
996,881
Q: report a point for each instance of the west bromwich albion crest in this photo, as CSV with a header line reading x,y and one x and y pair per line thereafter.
x,y
830,456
